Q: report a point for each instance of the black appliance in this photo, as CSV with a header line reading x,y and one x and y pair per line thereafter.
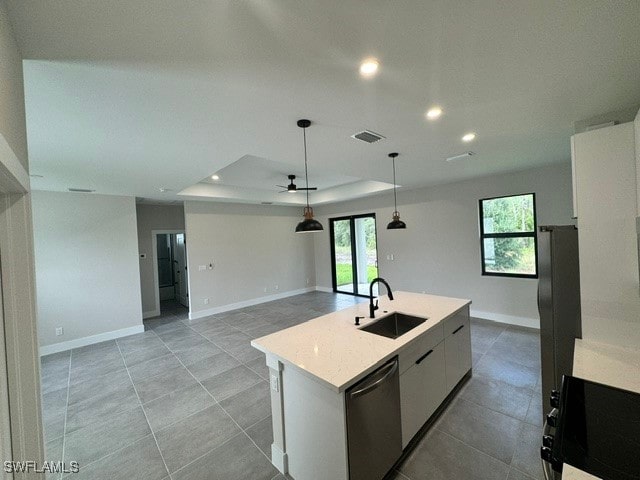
x,y
595,428
558,303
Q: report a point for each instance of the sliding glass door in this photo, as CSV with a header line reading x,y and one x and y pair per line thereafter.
x,y
353,253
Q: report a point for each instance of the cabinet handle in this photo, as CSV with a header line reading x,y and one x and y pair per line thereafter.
x,y
418,361
457,329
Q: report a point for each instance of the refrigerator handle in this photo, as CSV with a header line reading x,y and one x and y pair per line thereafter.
x,y
538,297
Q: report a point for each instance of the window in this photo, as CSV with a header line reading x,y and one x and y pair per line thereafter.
x,y
354,252
508,242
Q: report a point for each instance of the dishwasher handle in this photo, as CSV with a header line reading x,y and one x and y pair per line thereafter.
x,y
390,370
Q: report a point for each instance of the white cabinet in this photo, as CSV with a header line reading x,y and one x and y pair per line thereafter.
x,y
430,367
606,196
457,347
422,390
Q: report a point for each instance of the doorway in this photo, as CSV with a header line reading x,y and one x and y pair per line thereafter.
x,y
170,264
354,254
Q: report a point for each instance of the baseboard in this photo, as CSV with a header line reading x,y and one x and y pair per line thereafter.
x,y
151,314
248,303
279,459
509,319
84,341
324,289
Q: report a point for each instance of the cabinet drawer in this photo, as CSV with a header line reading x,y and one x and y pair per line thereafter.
x,y
418,347
422,390
459,319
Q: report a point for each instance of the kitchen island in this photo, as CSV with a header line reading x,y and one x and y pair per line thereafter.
x,y
314,364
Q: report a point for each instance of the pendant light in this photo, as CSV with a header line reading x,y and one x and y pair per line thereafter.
x,y
309,224
396,223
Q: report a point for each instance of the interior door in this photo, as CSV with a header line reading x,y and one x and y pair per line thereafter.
x,y
354,253
5,425
180,258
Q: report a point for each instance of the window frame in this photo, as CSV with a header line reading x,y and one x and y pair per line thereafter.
x,y
334,277
533,234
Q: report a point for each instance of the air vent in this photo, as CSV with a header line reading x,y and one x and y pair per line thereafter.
x,y
81,190
368,136
266,203
462,156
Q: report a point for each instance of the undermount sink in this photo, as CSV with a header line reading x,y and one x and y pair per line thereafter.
x,y
393,325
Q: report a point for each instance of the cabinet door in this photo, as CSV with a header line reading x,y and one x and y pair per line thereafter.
x,y
457,347
422,390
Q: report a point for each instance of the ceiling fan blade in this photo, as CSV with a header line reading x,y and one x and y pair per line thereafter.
x,y
281,186
310,188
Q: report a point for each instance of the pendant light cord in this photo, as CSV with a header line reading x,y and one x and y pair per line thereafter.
x,y
306,173
395,202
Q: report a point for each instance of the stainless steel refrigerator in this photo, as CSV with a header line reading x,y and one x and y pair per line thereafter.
x,y
558,304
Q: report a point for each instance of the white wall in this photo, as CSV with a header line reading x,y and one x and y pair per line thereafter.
x,y
252,248
87,274
153,217
439,252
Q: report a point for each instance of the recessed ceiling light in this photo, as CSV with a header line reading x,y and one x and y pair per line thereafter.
x,y
215,177
163,190
434,113
369,67
468,137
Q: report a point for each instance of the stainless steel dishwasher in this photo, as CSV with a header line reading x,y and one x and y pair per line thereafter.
x,y
374,434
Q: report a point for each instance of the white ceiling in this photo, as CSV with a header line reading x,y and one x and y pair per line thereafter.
x,y
255,179
130,96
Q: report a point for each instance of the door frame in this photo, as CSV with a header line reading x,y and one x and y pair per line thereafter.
x,y
154,253
352,219
19,309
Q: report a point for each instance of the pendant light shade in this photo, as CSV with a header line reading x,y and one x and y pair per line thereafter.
x,y
396,223
309,224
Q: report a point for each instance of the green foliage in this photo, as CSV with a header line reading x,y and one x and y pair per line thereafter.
x,y
342,232
509,215
345,276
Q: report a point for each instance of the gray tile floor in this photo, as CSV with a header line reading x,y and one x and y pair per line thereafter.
x,y
190,400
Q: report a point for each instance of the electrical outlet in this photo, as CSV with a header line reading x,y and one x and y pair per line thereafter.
x,y
59,331
308,281
276,287
206,301
202,268
265,289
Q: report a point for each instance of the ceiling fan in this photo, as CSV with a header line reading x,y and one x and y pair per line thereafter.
x,y
292,188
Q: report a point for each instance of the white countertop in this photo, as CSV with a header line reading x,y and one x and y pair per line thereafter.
x,y
334,351
607,364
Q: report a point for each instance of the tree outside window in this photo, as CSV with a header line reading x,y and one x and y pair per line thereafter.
x,y
508,240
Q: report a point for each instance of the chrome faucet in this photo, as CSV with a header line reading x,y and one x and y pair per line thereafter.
x,y
372,307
